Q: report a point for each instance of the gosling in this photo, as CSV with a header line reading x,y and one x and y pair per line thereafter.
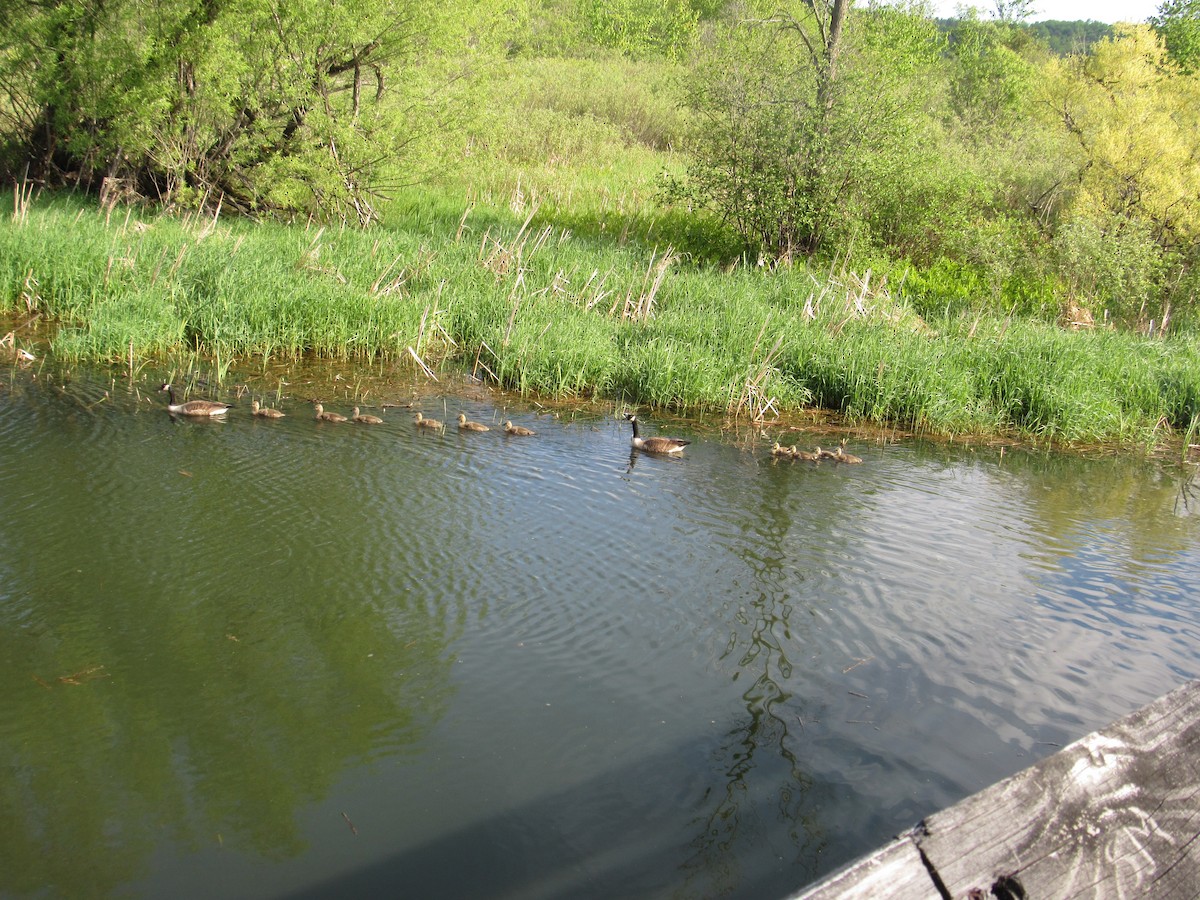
x,y
465,425
323,416
363,419
265,412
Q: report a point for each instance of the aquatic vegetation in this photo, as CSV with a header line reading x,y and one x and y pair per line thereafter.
x,y
534,308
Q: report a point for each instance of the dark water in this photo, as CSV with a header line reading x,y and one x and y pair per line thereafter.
x,y
289,659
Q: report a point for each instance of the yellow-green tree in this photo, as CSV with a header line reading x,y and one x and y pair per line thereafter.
x,y
1130,223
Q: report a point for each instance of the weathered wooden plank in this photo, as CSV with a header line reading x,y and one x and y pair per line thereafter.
x,y
895,872
1116,814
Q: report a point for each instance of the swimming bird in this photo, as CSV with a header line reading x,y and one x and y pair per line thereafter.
x,y
193,407
841,455
465,425
824,454
803,454
266,412
783,452
323,416
363,419
518,430
654,444
423,422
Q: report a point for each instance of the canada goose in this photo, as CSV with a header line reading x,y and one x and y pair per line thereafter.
x,y
423,422
465,425
824,454
841,455
193,407
266,412
803,454
518,430
323,416
363,419
654,444
780,451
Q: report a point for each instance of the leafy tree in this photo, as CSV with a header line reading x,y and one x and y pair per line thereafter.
x,y
1178,23
639,28
256,102
768,94
1135,127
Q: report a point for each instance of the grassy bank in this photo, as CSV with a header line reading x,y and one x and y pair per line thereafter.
x,y
545,310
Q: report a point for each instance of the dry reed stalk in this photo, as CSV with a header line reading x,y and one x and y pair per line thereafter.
x,y
642,310
512,318
462,223
29,292
22,198
394,283
483,345
424,368
178,260
752,397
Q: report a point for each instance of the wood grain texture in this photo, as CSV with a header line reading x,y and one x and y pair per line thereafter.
x,y
1114,815
895,872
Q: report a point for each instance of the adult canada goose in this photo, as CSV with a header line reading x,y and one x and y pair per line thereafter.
x,y
193,407
518,430
654,444
323,416
266,412
433,424
465,425
364,419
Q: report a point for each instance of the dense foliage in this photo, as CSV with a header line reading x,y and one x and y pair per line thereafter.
x,y
986,166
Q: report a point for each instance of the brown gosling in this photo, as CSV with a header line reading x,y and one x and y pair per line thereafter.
x,y
265,412
824,454
841,455
804,455
654,444
518,430
781,451
323,416
432,424
193,407
465,425
363,419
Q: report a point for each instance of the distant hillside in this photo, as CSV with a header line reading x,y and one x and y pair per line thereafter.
x,y
1070,37
1063,38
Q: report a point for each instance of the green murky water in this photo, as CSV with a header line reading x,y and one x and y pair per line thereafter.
x,y
281,659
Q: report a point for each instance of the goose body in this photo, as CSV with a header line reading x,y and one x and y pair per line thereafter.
x,y
518,430
193,407
804,454
654,444
841,455
363,419
465,425
423,422
265,412
780,451
323,416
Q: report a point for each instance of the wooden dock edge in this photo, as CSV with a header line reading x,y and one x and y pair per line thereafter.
x,y
1115,814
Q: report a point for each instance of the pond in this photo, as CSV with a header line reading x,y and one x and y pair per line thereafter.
x,y
252,658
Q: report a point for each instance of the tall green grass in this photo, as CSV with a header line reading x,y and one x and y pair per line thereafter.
x,y
541,309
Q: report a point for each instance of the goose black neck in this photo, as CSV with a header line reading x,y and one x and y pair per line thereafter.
x,y
171,395
633,421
